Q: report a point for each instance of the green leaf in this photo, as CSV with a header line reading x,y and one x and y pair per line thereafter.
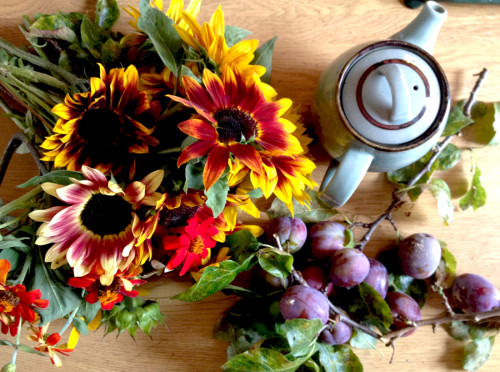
x,y
486,116
456,120
415,288
263,56
107,12
81,326
54,26
276,262
62,299
61,177
447,268
362,340
234,35
441,192
30,350
214,279
161,31
370,307
338,358
110,52
349,239
92,37
476,196
194,177
319,210
449,157
88,311
458,330
477,352
242,245
186,71
301,335
11,241
262,359
217,195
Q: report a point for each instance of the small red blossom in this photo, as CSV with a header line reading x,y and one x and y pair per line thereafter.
x,y
192,244
16,303
107,295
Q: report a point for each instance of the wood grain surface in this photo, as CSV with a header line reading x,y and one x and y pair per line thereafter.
x,y
311,33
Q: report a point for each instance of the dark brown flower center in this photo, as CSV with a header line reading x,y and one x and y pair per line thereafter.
x,y
100,127
234,125
8,301
176,217
106,214
197,246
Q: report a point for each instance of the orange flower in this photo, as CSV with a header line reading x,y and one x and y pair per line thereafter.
x,y
47,343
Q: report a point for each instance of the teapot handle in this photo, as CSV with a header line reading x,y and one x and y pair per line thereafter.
x,y
342,179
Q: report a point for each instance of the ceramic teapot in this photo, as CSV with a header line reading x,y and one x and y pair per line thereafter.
x,y
381,106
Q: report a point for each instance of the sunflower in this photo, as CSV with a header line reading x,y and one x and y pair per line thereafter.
x,y
235,120
174,11
98,231
104,128
210,40
16,304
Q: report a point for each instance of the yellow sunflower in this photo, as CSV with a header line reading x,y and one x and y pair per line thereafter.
x,y
210,39
106,128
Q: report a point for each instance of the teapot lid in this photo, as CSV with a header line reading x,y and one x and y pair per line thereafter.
x,y
393,94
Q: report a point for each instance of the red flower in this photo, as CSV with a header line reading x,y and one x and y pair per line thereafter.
x,y
107,295
192,245
16,303
47,343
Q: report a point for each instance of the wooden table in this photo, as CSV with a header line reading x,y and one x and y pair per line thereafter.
x,y
311,34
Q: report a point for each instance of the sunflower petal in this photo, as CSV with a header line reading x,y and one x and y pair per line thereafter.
x,y
195,150
215,166
198,129
248,155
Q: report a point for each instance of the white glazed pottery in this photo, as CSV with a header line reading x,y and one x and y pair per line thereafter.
x,y
381,106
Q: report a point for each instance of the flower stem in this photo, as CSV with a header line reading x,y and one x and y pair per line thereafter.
x,y
19,202
68,322
33,76
18,338
56,70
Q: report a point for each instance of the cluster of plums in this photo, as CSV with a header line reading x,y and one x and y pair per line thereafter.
x,y
329,268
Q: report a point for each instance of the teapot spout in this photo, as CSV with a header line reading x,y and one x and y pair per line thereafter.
x,y
424,29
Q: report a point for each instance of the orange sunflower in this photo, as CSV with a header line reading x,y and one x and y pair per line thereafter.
x,y
235,120
106,128
98,231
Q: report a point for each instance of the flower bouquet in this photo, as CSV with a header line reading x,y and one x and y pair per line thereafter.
x,y
157,151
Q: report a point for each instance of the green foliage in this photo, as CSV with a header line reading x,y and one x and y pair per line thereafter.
x,y
217,195
486,121
160,30
318,211
276,262
107,12
362,340
441,192
456,120
447,268
300,335
476,196
133,314
57,26
234,35
263,56
60,177
62,298
364,302
415,288
338,358
477,352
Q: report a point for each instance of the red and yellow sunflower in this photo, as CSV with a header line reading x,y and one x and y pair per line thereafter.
x,y
98,230
16,304
235,121
106,128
